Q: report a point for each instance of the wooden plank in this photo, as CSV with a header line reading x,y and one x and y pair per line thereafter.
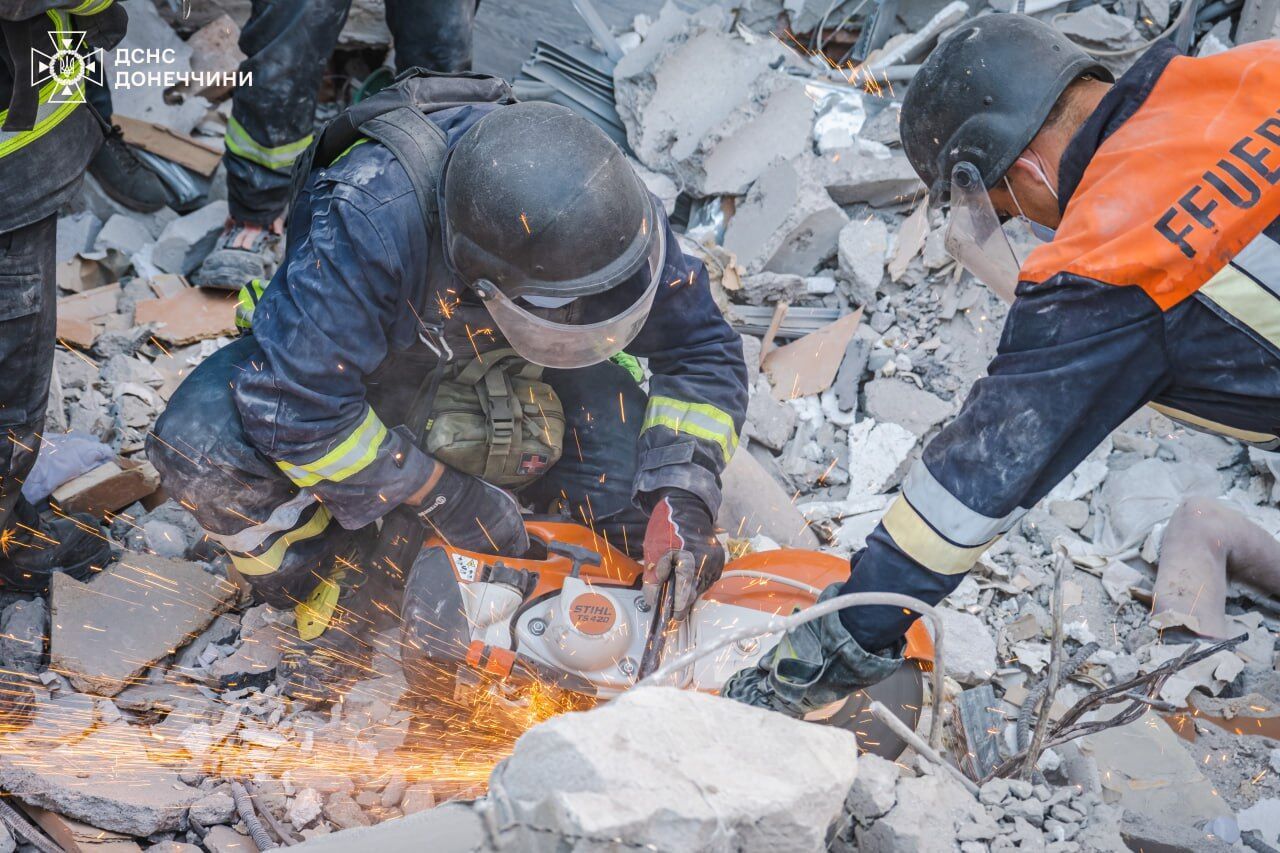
x,y
169,144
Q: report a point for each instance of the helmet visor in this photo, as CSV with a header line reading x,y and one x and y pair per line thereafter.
x,y
974,236
570,345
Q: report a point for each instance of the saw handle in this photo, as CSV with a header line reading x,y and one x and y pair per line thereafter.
x,y
658,627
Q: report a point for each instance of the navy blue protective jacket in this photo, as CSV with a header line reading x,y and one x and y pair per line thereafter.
x,y
340,323
1161,287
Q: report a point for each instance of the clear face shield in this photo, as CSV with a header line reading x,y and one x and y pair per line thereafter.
x,y
567,345
974,236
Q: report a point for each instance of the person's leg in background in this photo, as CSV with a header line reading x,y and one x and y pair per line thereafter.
x,y
117,169
287,44
281,540
432,34
32,548
603,410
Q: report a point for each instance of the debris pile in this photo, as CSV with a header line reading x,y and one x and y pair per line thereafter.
x,y
769,130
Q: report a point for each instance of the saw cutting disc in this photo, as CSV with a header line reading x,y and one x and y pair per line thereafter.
x,y
902,693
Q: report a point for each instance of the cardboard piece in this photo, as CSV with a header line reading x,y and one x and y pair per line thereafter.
x,y
911,237
80,274
766,343
169,144
107,488
809,365
80,316
192,315
167,285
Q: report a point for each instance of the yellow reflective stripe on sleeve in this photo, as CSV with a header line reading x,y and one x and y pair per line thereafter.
x,y
347,150
700,420
269,561
48,115
1246,300
90,7
923,544
346,460
240,142
1265,440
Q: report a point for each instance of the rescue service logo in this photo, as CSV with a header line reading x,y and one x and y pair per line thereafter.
x,y
68,67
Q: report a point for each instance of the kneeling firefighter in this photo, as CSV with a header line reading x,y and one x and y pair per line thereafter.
x,y
462,277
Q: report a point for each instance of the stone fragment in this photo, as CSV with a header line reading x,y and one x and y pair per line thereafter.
x,y
1262,817
1074,514
418,797
103,778
1096,25
874,791
901,403
717,136
23,626
786,224
1133,500
139,610
1142,833
343,812
861,247
622,771
122,234
853,176
878,456
969,649
304,808
224,839
214,809
929,811
908,47
771,421
185,241
215,48
767,288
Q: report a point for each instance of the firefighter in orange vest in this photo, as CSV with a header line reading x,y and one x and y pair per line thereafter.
x,y
1159,285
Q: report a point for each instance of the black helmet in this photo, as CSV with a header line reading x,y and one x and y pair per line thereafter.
x,y
547,222
538,201
983,94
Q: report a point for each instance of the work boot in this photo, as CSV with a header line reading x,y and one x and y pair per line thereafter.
x,y
124,176
333,645
812,666
240,255
34,549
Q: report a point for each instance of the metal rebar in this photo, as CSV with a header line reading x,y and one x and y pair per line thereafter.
x,y
244,807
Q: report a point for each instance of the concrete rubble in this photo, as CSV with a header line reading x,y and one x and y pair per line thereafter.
x,y
152,683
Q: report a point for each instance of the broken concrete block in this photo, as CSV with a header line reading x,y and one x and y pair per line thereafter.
x,y
122,234
1133,500
22,634
150,36
874,791
109,487
185,241
716,136
224,839
861,247
76,234
417,798
767,288
969,648
917,44
1143,768
214,809
1142,833
622,771
102,778
878,456
771,422
755,503
1094,24
853,176
304,808
929,810
139,610
901,403
786,224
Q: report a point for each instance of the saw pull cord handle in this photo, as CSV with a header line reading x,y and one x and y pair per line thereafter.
x,y
817,611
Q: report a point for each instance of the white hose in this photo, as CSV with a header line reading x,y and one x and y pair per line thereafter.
x,y
766,576
816,611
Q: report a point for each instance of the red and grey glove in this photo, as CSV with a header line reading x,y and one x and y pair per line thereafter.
x,y
681,537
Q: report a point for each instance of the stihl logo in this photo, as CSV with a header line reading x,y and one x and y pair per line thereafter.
x,y
68,67
592,613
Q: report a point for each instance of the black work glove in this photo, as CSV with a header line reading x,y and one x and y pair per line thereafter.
x,y
681,537
473,515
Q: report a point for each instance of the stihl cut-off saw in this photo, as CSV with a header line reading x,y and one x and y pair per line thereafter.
x,y
570,615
